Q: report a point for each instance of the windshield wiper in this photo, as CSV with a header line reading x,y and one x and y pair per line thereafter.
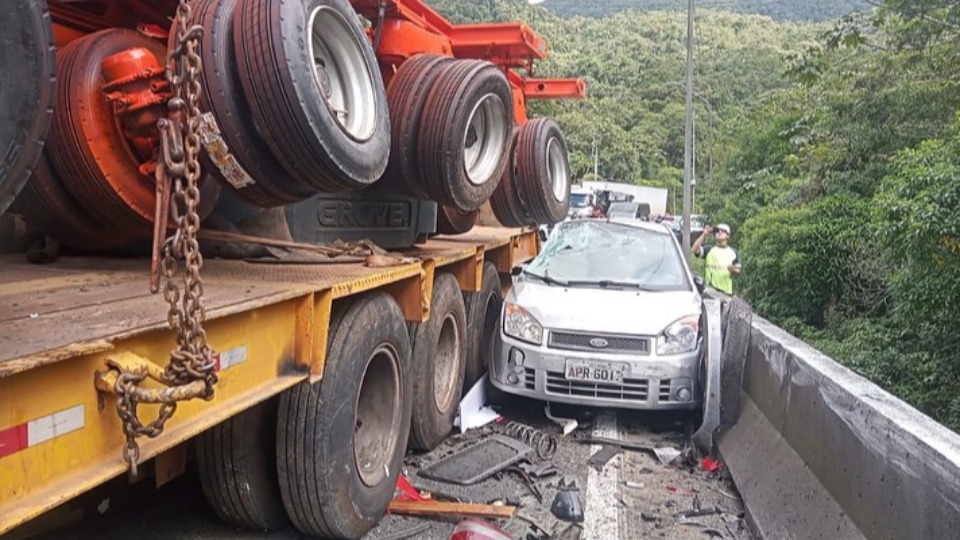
x,y
609,283
546,279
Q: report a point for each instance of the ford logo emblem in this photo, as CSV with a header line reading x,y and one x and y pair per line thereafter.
x,y
599,343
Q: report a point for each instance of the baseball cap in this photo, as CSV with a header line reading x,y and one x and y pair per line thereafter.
x,y
723,227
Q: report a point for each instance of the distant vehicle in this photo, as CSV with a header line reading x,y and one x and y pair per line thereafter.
x,y
582,201
629,210
608,314
697,223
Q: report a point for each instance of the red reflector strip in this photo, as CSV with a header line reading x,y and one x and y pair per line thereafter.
x,y
40,430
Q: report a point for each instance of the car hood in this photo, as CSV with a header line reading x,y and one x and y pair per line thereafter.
x,y
607,311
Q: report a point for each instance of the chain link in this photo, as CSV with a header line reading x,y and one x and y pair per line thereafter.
x,y
192,359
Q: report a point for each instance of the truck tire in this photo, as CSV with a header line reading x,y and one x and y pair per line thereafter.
x,y
26,99
464,140
439,351
453,221
542,170
483,312
238,469
46,204
406,96
253,173
314,89
505,202
341,441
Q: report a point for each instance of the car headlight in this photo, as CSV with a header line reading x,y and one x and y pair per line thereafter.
x,y
519,323
680,337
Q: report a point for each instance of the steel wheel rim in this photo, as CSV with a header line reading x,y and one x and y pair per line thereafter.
x,y
448,356
377,417
341,73
557,169
483,139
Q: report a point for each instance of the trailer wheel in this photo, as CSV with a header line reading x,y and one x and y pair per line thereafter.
x,y
406,96
238,469
464,141
483,311
313,84
542,170
505,202
453,221
341,441
26,98
253,172
439,351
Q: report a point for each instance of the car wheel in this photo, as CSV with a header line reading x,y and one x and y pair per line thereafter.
x,y
407,94
542,170
26,97
341,441
439,351
233,150
506,203
465,135
314,88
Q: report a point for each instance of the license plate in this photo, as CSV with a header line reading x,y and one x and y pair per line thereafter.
x,y
579,370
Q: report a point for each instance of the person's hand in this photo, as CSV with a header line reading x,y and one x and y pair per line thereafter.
x,y
734,268
708,229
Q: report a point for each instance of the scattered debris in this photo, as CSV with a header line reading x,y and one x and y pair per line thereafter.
x,y
567,425
572,532
615,442
568,505
545,470
605,454
710,465
406,533
712,533
645,470
440,508
528,481
666,454
681,491
648,517
474,411
408,490
476,529
634,485
688,514
545,444
103,506
478,461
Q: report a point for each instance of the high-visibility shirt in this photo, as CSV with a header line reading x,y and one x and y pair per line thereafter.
x,y
717,272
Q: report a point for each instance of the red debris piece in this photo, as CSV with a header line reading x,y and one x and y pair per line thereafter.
x,y
478,529
710,464
409,492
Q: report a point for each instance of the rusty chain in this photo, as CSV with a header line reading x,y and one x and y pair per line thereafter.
x,y
179,169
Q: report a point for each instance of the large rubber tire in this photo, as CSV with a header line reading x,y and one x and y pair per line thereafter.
x,y
464,140
46,204
27,88
278,44
87,149
542,171
439,355
505,202
238,469
406,95
483,312
223,99
362,403
453,221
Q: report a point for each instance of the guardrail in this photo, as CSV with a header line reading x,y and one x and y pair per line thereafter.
x,y
818,451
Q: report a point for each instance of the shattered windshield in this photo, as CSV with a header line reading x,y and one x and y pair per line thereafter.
x,y
604,254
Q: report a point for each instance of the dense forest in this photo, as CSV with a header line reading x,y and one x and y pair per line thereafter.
x,y
832,148
790,10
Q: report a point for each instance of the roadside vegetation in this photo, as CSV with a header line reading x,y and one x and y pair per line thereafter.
x,y
832,148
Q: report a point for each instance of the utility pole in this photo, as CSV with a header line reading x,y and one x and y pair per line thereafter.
x,y
596,160
688,136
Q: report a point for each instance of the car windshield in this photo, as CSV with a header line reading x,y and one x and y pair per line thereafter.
x,y
623,210
604,254
579,200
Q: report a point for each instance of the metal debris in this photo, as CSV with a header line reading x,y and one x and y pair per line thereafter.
x,y
478,461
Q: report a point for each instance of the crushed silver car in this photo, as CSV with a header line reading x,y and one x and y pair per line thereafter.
x,y
609,315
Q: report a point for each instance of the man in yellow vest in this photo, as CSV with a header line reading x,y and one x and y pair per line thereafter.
x,y
722,260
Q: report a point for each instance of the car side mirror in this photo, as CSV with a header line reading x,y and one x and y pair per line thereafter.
x,y
698,281
516,270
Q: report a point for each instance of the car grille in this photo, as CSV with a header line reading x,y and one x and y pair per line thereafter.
x,y
633,389
664,394
530,378
581,342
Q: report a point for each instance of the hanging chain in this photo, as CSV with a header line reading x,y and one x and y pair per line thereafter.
x,y
178,175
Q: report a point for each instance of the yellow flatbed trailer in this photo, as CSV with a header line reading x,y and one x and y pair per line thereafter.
x,y
267,323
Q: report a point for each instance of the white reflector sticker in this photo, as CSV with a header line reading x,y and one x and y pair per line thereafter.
x,y
59,423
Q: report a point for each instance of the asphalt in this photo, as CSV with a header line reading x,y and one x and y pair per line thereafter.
x,y
633,495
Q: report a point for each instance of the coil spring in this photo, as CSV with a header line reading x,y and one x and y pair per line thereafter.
x,y
545,444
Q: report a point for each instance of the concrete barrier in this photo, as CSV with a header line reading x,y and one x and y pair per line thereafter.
x,y
820,452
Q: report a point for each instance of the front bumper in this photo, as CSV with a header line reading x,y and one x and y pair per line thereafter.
x,y
650,382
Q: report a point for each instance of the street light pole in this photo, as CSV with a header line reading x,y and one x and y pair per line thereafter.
x,y
688,136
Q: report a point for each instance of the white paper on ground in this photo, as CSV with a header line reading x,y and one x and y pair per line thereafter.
x,y
473,412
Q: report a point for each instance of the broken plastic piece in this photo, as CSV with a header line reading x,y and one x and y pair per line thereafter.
x,y
710,464
473,413
408,490
568,505
476,529
602,456
666,454
567,425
